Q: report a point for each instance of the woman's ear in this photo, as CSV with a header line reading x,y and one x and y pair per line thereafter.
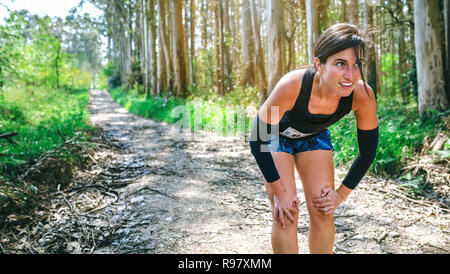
x,y
318,65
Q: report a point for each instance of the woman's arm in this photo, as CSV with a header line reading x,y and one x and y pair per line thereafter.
x,y
280,100
364,106
367,132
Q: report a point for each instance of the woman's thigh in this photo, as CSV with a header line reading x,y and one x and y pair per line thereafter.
x,y
284,162
316,170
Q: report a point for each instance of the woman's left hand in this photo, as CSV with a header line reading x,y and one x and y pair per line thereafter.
x,y
328,202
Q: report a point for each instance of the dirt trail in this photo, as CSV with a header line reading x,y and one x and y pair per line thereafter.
x,y
203,194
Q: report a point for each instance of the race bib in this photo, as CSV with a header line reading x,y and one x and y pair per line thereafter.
x,y
293,133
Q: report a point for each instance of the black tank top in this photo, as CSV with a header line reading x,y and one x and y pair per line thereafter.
x,y
299,122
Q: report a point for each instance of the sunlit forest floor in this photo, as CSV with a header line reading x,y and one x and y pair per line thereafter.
x,y
154,189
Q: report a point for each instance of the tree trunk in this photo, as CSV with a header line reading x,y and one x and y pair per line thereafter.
x,y
248,46
344,13
293,24
402,56
313,27
260,66
152,47
192,60
354,12
227,43
303,38
186,38
164,42
371,53
276,57
393,67
1,81
219,49
141,28
129,44
430,73
179,55
322,8
447,47
58,57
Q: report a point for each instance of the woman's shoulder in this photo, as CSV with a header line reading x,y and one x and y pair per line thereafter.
x,y
291,82
362,95
287,89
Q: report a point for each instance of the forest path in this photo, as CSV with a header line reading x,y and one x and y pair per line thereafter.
x,y
204,194
150,191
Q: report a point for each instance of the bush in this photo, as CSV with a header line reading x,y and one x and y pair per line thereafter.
x,y
402,131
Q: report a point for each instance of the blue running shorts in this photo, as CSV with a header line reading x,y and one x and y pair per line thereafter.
x,y
319,141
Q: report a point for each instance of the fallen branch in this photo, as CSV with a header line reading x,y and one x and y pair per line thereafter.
x,y
414,201
60,134
8,136
47,154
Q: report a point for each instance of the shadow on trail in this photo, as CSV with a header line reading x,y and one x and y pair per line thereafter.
x,y
202,193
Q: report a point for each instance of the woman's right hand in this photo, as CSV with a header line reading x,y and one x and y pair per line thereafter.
x,y
286,203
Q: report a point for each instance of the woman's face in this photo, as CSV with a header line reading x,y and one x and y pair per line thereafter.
x,y
341,72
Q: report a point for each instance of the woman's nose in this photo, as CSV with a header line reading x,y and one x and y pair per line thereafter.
x,y
351,73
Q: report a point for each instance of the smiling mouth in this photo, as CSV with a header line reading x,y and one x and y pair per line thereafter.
x,y
346,84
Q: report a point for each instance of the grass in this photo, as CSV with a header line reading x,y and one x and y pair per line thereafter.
x,y
402,129
200,111
36,115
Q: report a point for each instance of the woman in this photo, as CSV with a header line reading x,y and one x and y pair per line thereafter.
x,y
291,129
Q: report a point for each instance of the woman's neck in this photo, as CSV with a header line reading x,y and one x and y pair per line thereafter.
x,y
321,91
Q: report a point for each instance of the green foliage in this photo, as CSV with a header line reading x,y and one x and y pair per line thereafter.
x,y
36,116
390,74
414,185
17,198
402,131
33,53
112,74
203,110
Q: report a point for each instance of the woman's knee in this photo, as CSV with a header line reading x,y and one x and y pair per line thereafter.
x,y
288,223
317,217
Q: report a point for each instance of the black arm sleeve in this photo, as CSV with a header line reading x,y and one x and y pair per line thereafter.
x,y
259,139
367,143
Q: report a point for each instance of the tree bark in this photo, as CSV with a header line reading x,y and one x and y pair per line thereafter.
x,y
164,43
354,12
430,73
192,60
322,7
313,28
152,47
58,57
179,55
344,13
447,47
275,44
186,27
371,53
219,49
248,46
227,43
260,66
402,56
